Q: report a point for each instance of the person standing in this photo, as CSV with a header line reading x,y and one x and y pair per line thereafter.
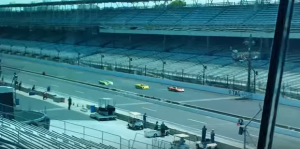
x,y
45,96
212,136
203,134
162,129
69,103
156,126
33,88
144,119
20,85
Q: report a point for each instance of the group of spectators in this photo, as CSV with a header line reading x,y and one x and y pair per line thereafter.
x,y
162,126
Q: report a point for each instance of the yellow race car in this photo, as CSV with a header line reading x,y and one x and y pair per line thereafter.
x,y
142,86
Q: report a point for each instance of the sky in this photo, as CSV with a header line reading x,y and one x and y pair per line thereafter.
x,y
29,1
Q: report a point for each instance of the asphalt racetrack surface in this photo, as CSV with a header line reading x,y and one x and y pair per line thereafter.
x,y
229,104
188,119
221,127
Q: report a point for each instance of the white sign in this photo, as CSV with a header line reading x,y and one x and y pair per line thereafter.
x,y
240,93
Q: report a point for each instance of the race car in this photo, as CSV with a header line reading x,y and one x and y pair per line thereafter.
x,y
175,89
105,82
141,86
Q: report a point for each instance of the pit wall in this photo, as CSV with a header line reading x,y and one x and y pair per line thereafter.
x,y
288,102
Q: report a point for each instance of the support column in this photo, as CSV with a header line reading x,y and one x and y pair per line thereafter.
x,y
271,101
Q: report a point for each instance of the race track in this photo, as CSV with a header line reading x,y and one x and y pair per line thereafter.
x,y
286,114
187,119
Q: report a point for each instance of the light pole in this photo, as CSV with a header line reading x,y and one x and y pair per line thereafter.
x,y
163,70
130,59
78,57
204,69
249,43
203,77
102,56
245,131
255,73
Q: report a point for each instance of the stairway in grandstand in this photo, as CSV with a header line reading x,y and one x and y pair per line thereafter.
x,y
31,137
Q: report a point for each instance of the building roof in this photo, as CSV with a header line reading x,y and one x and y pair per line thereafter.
x,y
72,2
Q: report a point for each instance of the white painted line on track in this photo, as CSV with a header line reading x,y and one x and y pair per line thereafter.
x,y
133,104
148,109
79,92
56,109
209,99
32,80
54,85
197,121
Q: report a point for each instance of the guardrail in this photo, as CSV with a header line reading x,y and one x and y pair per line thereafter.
x,y
187,107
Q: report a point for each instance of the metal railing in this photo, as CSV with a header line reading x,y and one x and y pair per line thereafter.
x,y
84,132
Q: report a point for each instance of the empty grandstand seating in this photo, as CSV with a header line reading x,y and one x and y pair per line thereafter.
x,y
234,15
37,137
179,52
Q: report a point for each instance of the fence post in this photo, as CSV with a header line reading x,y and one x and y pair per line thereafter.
x,y
120,143
145,70
128,144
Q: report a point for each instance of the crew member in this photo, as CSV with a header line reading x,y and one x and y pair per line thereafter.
x,y
203,134
33,88
144,118
20,85
70,103
162,129
45,95
212,136
156,126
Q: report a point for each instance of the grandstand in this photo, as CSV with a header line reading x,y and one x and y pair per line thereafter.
x,y
89,34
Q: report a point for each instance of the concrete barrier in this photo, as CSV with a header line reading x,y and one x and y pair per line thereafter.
x,y
294,103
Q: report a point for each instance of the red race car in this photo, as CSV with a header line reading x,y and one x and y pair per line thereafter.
x,y
175,89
